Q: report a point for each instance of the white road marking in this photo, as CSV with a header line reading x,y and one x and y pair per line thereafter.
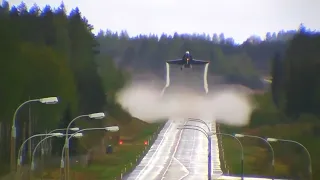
x,y
172,158
187,171
193,147
150,160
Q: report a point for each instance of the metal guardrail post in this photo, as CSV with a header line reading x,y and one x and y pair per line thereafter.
x,y
221,149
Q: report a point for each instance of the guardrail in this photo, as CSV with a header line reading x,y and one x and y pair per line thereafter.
x,y
127,169
245,178
224,166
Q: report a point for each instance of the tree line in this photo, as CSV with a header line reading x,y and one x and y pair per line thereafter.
x,y
50,53
295,76
290,110
241,64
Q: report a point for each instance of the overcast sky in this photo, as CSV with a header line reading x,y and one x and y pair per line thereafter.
x,y
235,18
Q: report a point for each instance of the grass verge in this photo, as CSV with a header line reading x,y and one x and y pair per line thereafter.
x,y
124,157
291,161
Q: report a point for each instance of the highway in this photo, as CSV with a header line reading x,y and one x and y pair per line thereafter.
x,y
178,154
181,155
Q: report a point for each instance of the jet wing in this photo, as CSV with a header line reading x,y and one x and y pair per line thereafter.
x,y
177,61
194,61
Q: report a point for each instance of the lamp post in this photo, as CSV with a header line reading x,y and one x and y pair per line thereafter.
x,y
76,135
200,121
208,134
297,143
264,140
242,155
209,145
19,160
100,115
36,147
48,100
55,130
79,134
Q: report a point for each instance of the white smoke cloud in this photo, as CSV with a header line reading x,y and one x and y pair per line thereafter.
x,y
225,106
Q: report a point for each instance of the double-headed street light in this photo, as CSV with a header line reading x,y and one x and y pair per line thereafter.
x,y
20,159
208,135
264,140
200,121
297,143
47,100
55,130
36,147
109,128
49,135
99,115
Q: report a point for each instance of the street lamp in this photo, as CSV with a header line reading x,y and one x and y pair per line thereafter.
x,y
112,128
63,129
208,134
50,148
100,115
19,160
76,135
36,147
209,143
109,128
295,142
242,155
200,121
264,140
48,100
55,130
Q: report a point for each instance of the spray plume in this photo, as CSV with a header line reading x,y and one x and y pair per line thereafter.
x,y
224,105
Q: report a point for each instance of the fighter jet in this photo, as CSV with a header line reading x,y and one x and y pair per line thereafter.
x,y
187,61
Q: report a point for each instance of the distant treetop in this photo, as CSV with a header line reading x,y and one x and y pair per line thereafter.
x,y
281,36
